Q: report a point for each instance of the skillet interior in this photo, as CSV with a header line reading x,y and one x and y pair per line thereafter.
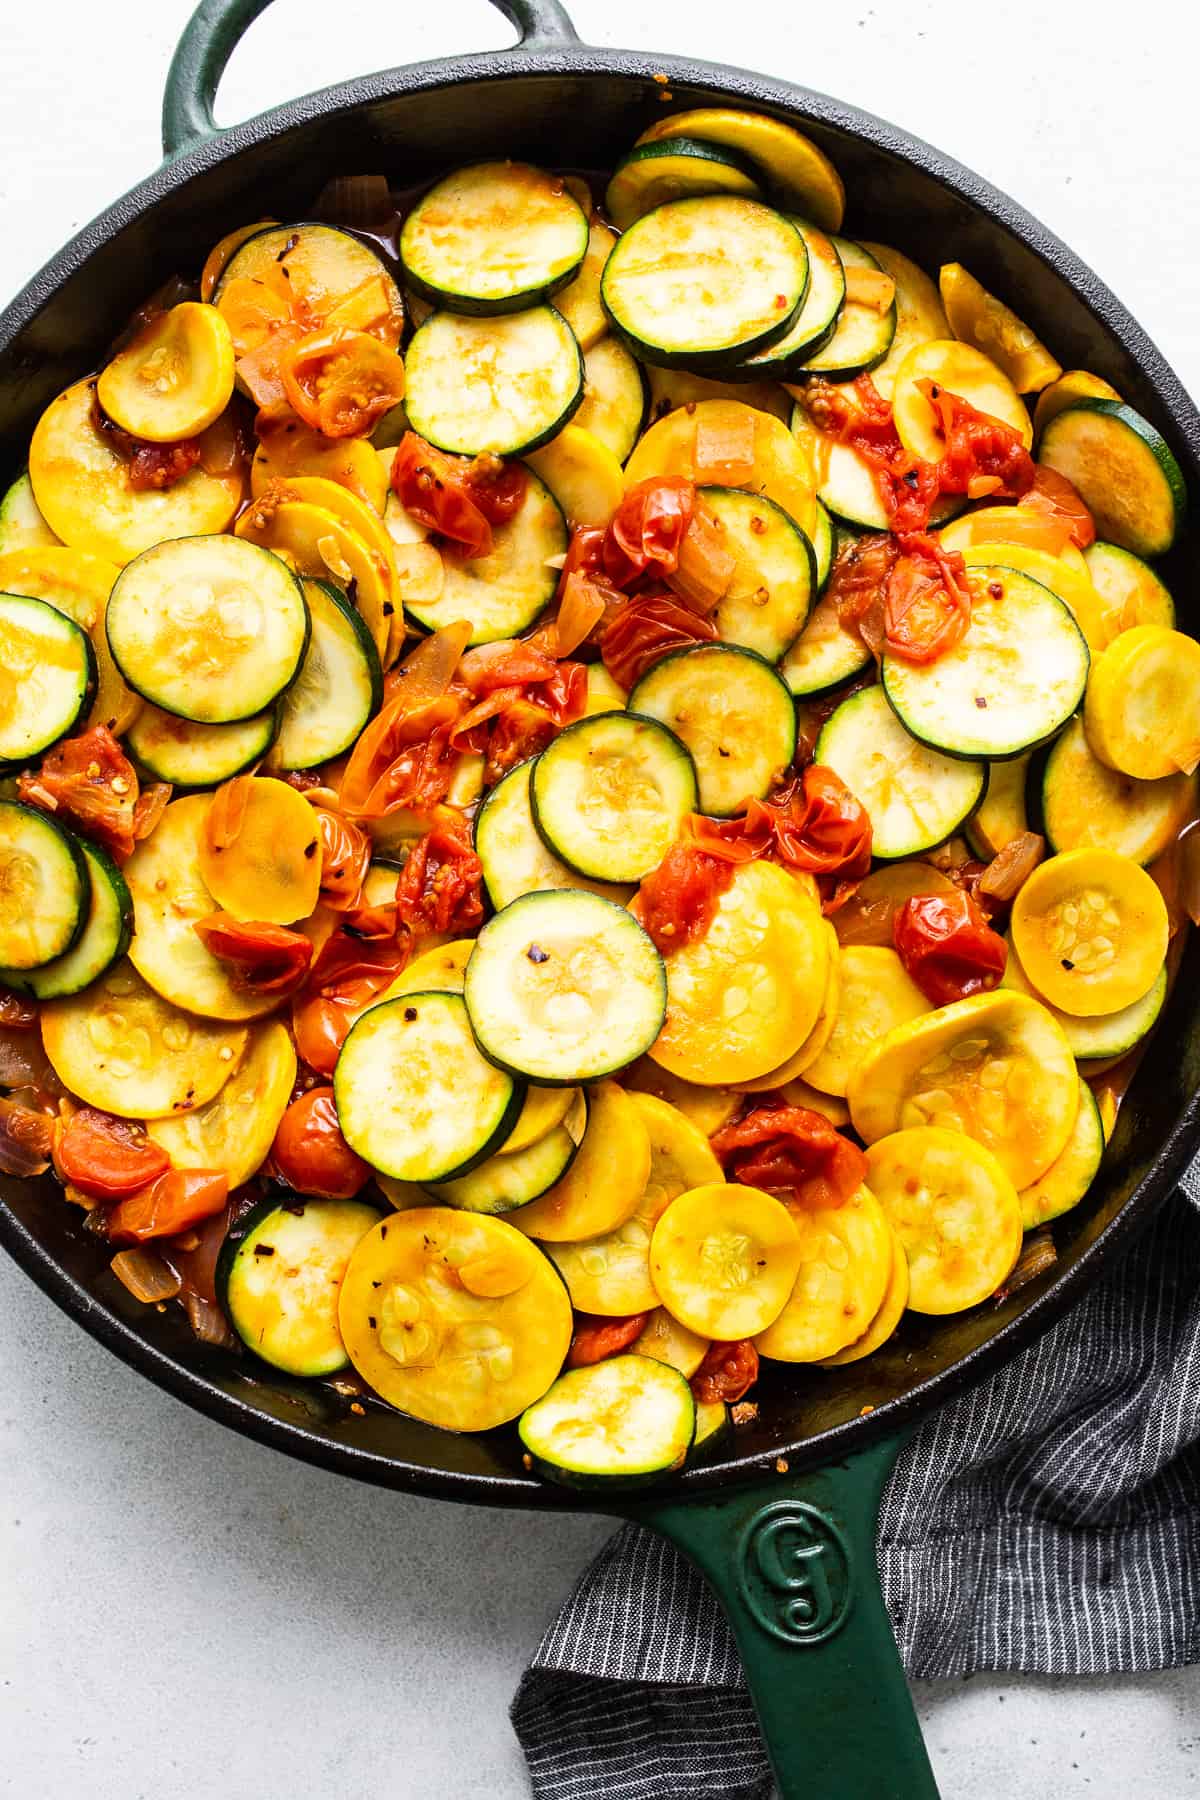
x,y
582,107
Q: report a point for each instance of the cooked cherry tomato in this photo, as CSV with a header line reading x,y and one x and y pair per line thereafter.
x,y
647,529
345,859
88,781
172,1204
149,467
856,413
791,1151
264,959
341,382
596,1338
948,947
646,628
404,760
727,1372
441,884
524,699
977,445
460,500
106,1157
310,1152
364,952
926,601
1058,498
677,902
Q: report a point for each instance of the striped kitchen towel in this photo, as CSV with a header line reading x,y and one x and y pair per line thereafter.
x,y
1048,1521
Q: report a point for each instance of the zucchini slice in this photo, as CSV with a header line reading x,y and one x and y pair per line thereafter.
x,y
724,1259
734,714
775,581
614,396
816,320
174,379
960,370
1091,930
199,756
415,1098
79,585
47,676
514,856
496,237
564,987
120,1046
107,929
1073,385
454,1317
1123,471
339,686
513,1178
1011,682
502,593
579,302
44,888
333,280
605,1183
1104,1034
1068,1179
1130,592
846,483
824,545
916,797
847,1254
234,1131
955,1211
862,334
825,654
995,1067
279,1274
714,1432
1142,712
675,168
800,174
22,526
499,386
920,315
621,1422
1002,815
212,629
876,994
705,281
316,542
1088,806
610,794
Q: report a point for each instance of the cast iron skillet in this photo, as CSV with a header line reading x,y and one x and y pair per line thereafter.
x,y
784,1530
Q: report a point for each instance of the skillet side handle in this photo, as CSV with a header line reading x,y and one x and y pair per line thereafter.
x,y
793,1564
217,26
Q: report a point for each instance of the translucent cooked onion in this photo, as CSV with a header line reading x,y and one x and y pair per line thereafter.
x,y
1011,867
25,1140
146,1275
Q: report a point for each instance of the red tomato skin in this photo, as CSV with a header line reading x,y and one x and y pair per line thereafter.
x,y
105,1157
310,1153
948,947
597,1338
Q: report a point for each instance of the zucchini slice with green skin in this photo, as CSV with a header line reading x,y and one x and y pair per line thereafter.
x,y
1002,815
823,545
1124,472
846,483
916,797
564,988
498,386
502,593
610,794
47,676
801,175
1072,1173
816,321
734,714
1010,683
279,1275
198,756
513,1178
775,581
677,168
414,1097
44,888
862,336
339,687
1103,1034
825,654
621,1422
705,282
513,855
614,396
1085,805
209,628
22,526
107,929
1130,592
494,238
325,266
714,1432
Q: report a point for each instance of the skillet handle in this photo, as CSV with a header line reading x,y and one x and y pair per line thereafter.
x,y
216,27
793,1564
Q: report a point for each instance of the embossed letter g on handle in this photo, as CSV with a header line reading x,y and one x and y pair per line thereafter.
x,y
795,1572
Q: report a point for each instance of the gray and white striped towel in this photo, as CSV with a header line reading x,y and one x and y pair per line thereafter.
x,y
1048,1521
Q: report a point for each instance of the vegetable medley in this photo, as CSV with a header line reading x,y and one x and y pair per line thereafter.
x,y
589,799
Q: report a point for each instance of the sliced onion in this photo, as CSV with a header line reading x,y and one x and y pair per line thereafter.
x,y
706,564
1011,867
1188,852
146,1275
208,1322
1038,1255
22,1060
25,1140
724,453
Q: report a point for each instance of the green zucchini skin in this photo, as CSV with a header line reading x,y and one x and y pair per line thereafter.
x,y
306,735
856,345
475,284
39,718
567,768
613,1386
849,742
202,756
103,940
513,1179
674,683
43,912
440,405
1149,530
702,168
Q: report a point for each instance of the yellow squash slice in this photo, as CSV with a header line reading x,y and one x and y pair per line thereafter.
x,y
82,485
955,1212
169,895
781,468
1086,805
673,388
1075,384
294,451
1070,1176
603,693
920,316
454,1317
666,1340
996,1067
817,1039
78,585
174,379
234,1131
978,318
579,302
801,175
271,867
1091,930
120,1046
611,1274
830,1106
744,997
962,371
1142,711
1066,576
318,543
583,475
846,1257
707,1108
604,1184
877,993
436,971
724,1258
891,1310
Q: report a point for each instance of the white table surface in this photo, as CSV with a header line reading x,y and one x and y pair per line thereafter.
x,y
182,1612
